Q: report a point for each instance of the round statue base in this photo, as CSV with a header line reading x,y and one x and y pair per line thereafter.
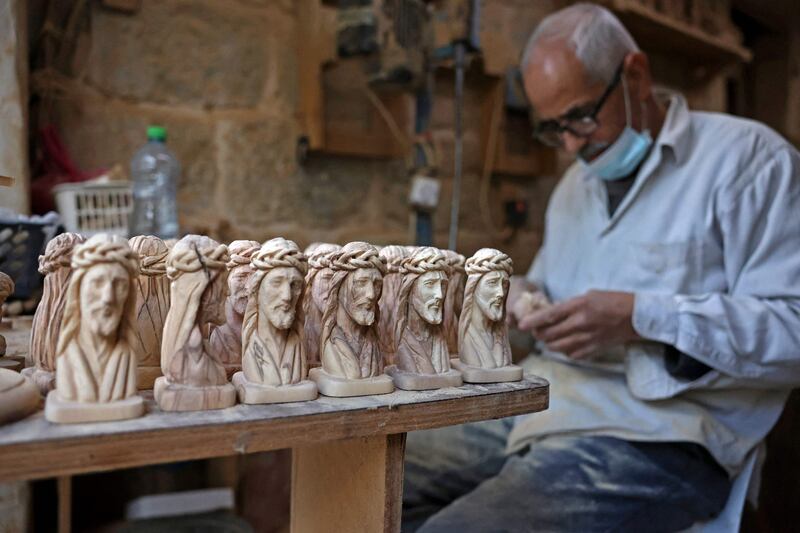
x,y
255,393
342,388
474,374
18,397
11,363
411,381
63,411
178,397
44,380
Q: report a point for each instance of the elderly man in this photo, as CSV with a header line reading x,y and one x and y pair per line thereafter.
x,y
671,257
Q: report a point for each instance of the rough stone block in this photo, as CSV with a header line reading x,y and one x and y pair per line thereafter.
x,y
180,52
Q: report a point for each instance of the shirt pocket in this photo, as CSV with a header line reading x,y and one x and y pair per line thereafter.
x,y
673,266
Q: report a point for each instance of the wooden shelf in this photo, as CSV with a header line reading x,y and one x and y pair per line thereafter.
x,y
659,32
35,448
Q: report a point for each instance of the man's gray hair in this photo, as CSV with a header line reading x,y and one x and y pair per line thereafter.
x,y
599,39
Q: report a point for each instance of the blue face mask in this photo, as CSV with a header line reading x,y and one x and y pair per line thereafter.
x,y
625,154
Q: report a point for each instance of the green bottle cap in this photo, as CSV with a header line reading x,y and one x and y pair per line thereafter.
x,y
156,133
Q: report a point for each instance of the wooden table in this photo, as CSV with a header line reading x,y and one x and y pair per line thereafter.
x,y
347,453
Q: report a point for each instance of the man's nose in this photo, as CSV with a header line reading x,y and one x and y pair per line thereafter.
x,y
572,143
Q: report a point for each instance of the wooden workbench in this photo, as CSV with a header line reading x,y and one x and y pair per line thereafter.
x,y
347,461
347,453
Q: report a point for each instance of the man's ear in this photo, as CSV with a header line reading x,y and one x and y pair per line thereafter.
x,y
637,74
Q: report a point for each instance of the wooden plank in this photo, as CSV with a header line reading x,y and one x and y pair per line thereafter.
x,y
348,486
658,31
34,448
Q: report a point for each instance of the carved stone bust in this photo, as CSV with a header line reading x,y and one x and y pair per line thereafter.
x,y
348,342
274,367
54,265
315,296
393,255
455,297
97,359
151,290
423,359
226,340
484,349
194,377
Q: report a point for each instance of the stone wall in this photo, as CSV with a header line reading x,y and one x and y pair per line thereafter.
x,y
13,104
222,77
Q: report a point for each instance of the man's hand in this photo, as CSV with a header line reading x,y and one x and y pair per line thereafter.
x,y
583,326
517,286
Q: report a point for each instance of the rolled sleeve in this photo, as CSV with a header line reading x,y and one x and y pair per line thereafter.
x,y
655,317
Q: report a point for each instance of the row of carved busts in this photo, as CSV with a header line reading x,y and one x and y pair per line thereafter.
x,y
119,316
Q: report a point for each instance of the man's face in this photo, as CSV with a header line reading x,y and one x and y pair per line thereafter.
x,y
427,296
103,293
320,288
359,294
212,308
278,294
237,287
557,86
491,294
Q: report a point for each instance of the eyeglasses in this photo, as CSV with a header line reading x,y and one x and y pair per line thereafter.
x,y
581,122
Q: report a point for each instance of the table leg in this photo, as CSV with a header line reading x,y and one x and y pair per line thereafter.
x,y
353,485
64,485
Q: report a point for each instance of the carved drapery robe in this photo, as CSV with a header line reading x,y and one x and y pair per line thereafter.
x,y
343,356
107,378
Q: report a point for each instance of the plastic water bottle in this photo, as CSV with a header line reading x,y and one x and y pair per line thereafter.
x,y
155,171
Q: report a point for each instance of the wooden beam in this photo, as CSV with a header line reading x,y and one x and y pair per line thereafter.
x,y
34,448
348,486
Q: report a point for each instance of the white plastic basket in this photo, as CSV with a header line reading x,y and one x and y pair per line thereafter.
x,y
91,208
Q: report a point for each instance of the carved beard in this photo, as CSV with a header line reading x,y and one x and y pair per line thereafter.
x,y
493,309
281,316
360,309
430,310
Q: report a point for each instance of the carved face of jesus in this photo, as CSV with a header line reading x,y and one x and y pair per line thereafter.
x,y
278,295
103,293
321,288
491,294
359,294
212,308
427,296
237,287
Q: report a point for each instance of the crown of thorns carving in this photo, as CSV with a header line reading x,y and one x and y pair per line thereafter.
x,y
152,254
393,255
58,252
192,258
321,257
489,260
427,259
241,253
455,261
357,255
278,253
105,249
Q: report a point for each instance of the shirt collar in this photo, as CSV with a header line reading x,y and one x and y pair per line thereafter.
x,y
676,132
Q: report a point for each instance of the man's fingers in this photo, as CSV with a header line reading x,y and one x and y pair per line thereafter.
x,y
545,317
573,324
572,345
